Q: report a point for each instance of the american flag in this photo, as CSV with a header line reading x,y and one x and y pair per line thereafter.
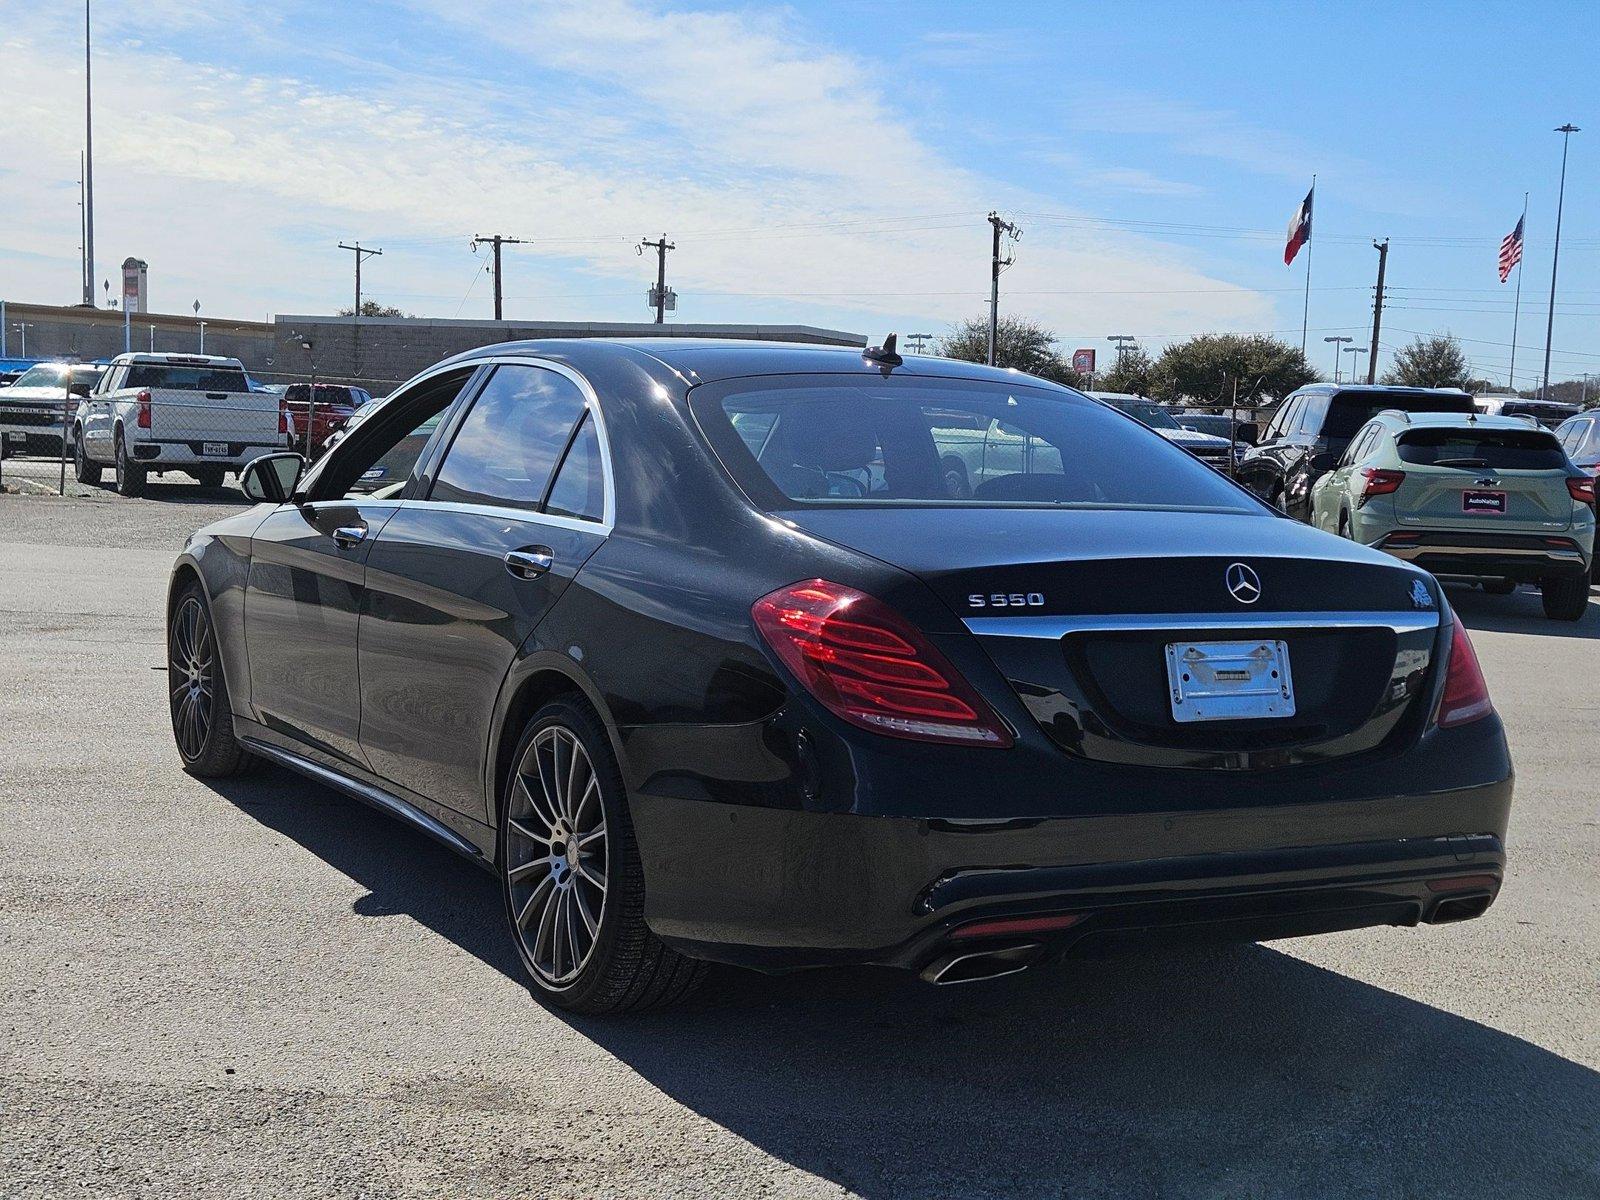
x,y
1511,250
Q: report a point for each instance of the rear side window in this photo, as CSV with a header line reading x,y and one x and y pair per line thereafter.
x,y
579,489
1500,449
187,379
507,446
853,441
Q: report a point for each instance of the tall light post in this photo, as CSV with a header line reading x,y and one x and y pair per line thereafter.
x,y
22,328
1566,131
202,327
1121,340
1338,344
88,168
1355,366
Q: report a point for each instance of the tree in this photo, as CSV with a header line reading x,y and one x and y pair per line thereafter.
x,y
1205,369
1130,372
371,308
1430,362
1020,343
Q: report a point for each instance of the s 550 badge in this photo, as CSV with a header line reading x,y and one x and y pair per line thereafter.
x,y
1006,600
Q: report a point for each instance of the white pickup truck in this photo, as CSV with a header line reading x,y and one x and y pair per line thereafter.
x,y
175,412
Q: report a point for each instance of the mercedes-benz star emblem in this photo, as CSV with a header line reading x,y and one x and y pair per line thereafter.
x,y
1244,585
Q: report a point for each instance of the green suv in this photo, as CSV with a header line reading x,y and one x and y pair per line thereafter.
x,y
1493,498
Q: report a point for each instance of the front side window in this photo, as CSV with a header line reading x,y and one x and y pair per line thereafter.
x,y
507,446
851,441
378,459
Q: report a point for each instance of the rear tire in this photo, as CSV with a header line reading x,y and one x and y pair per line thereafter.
x,y
209,477
1499,587
1565,599
567,849
83,470
197,693
130,475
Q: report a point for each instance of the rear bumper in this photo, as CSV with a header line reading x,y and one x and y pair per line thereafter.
x,y
176,453
1526,558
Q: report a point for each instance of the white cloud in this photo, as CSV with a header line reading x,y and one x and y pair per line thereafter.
x,y
782,169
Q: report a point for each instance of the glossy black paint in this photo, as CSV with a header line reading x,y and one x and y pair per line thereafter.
x,y
771,832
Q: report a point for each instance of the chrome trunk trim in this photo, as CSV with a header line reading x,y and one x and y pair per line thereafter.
x,y
1055,628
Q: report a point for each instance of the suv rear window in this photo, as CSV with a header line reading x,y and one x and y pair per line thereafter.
x,y
801,441
1351,410
1501,449
187,379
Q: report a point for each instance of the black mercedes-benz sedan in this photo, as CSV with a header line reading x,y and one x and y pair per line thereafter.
x,y
785,656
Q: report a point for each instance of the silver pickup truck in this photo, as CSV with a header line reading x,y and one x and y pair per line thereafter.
x,y
175,412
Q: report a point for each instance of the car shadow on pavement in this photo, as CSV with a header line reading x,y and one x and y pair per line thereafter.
x,y
1520,612
1221,1071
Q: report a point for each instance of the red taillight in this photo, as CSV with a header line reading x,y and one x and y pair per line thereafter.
x,y
870,666
1582,490
283,415
143,419
1466,694
1380,482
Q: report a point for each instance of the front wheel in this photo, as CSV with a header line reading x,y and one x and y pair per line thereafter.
x,y
571,877
202,721
1565,599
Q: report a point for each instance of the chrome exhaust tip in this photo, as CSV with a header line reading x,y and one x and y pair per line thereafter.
x,y
974,966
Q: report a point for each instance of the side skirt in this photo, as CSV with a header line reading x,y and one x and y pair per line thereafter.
x,y
368,793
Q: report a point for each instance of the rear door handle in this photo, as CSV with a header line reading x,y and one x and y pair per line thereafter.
x,y
530,562
347,536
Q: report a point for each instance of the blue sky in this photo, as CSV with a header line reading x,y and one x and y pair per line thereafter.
x,y
829,164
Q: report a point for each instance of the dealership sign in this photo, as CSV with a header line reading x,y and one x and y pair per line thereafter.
x,y
1083,361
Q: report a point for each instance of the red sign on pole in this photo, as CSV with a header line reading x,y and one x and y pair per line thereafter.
x,y
1083,361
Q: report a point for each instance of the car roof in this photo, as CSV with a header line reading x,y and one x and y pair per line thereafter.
x,y
703,360
1378,389
1402,421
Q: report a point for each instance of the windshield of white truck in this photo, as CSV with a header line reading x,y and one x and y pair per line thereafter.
x,y
187,379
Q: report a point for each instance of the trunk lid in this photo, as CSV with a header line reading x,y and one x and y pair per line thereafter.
x,y
1077,609
1484,499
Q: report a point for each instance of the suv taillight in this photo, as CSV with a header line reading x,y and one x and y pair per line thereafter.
x,y
1380,482
1466,693
868,665
1582,490
143,419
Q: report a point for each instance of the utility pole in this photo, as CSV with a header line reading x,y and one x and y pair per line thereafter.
x,y
88,168
661,247
362,254
918,341
496,240
1566,131
996,265
1377,309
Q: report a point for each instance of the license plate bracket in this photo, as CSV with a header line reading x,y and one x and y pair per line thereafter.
x,y
1229,681
214,449
1476,500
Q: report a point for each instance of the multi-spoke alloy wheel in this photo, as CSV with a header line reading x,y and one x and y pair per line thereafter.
x,y
556,860
191,677
571,875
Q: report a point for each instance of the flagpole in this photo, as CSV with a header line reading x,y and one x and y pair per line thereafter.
x,y
1305,311
1516,310
1566,131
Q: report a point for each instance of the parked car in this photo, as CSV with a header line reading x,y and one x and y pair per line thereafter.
x,y
1580,438
1312,429
9,375
364,410
630,634
1241,431
1491,498
335,404
36,409
1548,413
175,412
1217,451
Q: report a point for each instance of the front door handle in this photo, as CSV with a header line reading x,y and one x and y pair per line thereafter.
x,y
530,562
347,536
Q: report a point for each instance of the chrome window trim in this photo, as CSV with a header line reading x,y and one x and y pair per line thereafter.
x,y
607,523
1055,628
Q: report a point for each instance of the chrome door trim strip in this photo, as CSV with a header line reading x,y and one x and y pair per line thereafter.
x,y
501,512
366,793
1055,628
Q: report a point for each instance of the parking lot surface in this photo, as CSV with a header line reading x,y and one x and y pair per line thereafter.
x,y
260,988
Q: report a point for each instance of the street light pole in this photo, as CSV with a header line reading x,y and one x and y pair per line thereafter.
x,y
1566,131
1338,344
1354,366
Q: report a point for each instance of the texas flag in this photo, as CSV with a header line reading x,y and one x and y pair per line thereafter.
x,y
1299,228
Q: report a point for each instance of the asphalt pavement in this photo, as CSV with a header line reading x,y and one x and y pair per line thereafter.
x,y
260,988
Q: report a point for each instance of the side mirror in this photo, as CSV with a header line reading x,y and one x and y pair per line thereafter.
x,y
80,390
272,477
1248,432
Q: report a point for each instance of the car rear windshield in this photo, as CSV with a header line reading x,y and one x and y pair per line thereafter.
x,y
187,379
1501,449
1351,410
820,440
